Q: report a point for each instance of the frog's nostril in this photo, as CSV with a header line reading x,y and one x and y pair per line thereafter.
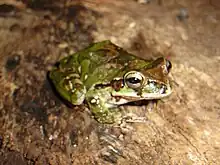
x,y
151,83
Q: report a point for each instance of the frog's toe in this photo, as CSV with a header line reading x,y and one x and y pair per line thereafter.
x,y
112,148
109,117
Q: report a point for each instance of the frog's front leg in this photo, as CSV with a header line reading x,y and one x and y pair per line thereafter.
x,y
103,111
69,86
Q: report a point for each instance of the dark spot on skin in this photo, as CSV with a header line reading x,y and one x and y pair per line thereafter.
x,y
117,98
99,86
117,84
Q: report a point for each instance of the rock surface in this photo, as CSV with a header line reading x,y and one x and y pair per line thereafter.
x,y
38,128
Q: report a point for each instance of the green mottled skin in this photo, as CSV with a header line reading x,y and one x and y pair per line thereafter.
x,y
93,74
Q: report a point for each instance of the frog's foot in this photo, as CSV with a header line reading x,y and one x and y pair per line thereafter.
x,y
107,116
131,118
113,148
102,112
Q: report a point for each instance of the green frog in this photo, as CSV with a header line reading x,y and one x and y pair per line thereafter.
x,y
106,76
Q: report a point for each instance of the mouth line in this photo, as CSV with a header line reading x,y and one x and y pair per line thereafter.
x,y
148,96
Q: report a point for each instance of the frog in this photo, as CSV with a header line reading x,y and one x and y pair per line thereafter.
x,y
105,76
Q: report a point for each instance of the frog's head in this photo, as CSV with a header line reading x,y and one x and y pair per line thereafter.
x,y
148,82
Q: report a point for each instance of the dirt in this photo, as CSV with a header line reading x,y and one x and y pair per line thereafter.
x,y
37,127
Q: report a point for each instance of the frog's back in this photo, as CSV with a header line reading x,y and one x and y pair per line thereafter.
x,y
104,52
103,61
99,63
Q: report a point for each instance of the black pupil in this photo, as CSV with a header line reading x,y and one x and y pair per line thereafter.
x,y
133,80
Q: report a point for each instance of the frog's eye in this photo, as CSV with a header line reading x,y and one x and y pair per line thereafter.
x,y
134,79
168,65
